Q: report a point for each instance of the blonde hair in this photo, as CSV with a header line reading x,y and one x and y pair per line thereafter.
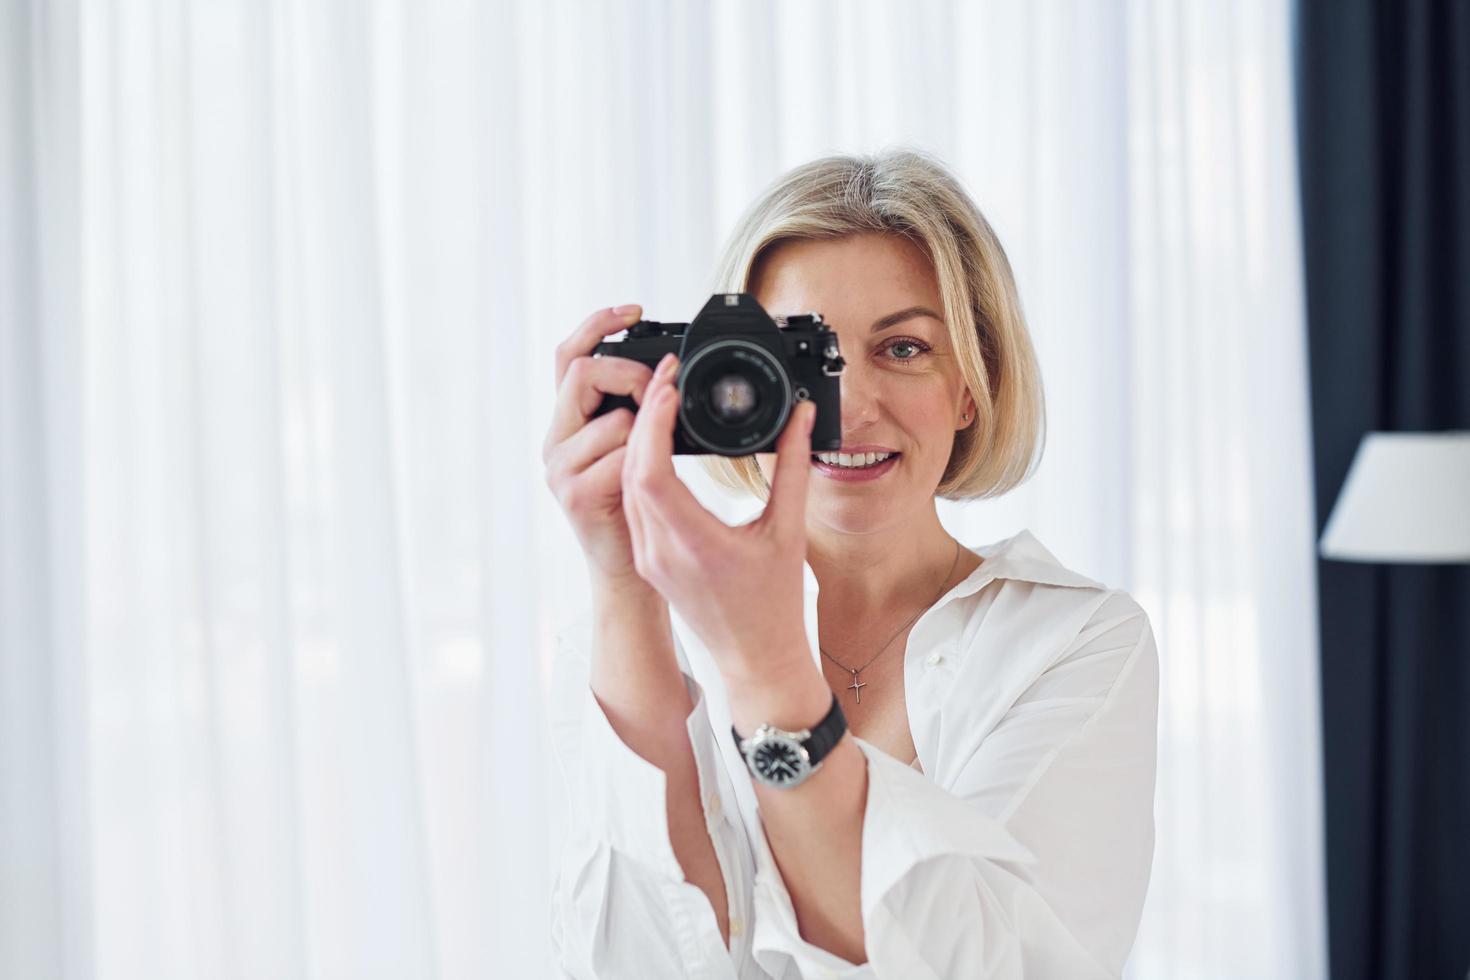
x,y
909,193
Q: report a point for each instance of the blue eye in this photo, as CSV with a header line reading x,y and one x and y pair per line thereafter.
x,y
918,346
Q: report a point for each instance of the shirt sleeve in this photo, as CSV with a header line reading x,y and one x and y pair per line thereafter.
x,y
1035,860
621,906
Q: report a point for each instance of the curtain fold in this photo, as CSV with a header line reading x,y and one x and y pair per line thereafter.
x,y
1385,173
47,885
282,285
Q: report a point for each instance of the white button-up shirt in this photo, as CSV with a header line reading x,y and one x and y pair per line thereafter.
x,y
1017,844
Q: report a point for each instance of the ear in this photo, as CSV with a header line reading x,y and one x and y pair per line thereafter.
x,y
968,413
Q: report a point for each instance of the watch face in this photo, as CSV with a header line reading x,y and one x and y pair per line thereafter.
x,y
779,761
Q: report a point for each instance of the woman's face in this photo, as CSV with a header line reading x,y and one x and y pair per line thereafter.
x,y
902,391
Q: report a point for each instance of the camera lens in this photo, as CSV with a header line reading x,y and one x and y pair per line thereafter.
x,y
736,397
732,399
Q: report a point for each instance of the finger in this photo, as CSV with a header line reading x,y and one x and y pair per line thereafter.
x,y
661,496
631,513
786,511
637,531
587,380
639,445
592,442
590,333
607,469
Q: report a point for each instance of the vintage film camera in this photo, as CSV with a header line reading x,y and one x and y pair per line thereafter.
x,y
740,375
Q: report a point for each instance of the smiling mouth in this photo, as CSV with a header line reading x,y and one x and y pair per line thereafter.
x,y
854,461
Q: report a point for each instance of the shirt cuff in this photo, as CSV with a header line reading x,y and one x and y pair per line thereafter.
x,y
907,820
623,796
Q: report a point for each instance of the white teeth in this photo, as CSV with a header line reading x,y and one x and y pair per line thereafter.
x,y
852,460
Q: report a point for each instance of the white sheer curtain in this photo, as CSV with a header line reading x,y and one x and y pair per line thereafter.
x,y
281,284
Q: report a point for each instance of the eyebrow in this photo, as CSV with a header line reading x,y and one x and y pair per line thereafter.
x,y
883,323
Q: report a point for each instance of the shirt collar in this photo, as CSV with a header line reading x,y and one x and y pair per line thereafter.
x,y
1020,557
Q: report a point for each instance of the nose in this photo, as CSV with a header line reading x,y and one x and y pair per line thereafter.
x,y
859,400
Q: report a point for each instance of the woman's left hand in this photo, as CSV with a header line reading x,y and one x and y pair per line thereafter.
x,y
739,588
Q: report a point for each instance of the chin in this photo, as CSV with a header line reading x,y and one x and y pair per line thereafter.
x,y
857,516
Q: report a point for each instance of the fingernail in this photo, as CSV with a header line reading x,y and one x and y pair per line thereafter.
x,y
811,417
668,365
627,309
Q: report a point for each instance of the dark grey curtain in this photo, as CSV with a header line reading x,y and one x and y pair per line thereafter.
x,y
1384,117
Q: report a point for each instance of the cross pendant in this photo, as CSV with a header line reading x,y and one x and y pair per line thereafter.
x,y
856,688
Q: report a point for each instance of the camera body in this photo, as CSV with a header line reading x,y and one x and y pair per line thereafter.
x,y
740,375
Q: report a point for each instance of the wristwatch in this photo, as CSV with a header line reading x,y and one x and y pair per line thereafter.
x,y
785,759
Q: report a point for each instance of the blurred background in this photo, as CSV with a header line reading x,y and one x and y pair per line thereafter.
x,y
280,285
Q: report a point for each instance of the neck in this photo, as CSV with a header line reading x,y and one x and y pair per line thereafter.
x,y
862,577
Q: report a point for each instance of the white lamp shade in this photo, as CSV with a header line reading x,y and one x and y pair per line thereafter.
x,y
1406,499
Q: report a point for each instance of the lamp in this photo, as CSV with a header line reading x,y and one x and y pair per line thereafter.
x,y
1406,499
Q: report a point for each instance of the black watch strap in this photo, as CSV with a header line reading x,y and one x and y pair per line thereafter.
x,y
824,736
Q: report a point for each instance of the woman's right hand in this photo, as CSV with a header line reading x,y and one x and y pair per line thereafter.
x,y
584,459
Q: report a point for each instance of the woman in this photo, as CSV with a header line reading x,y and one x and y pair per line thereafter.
x,y
985,718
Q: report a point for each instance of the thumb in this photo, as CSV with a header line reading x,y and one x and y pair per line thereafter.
x,y
786,510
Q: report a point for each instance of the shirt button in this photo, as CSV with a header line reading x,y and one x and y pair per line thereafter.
x,y
737,927
934,658
714,805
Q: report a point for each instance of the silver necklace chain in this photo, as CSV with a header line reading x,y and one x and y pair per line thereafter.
x,y
856,688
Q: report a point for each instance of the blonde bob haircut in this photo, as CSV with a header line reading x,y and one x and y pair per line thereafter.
x,y
908,193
